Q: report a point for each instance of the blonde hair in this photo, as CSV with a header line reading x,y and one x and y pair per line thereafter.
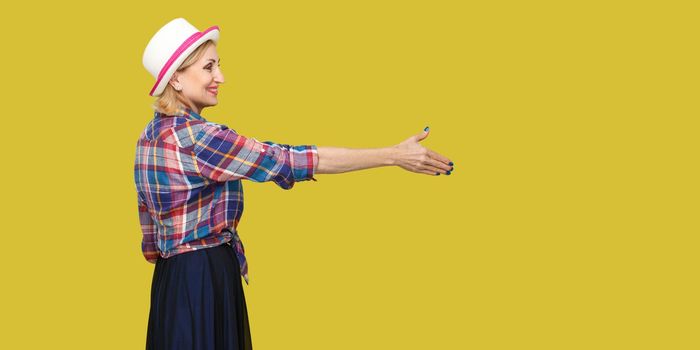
x,y
171,100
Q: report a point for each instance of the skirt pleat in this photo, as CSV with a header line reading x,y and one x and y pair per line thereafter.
x,y
197,302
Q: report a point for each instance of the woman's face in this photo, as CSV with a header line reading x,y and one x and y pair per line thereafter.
x,y
200,81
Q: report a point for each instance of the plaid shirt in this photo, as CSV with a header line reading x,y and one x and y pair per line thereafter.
x,y
188,173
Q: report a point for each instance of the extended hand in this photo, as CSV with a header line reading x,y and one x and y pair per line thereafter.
x,y
410,155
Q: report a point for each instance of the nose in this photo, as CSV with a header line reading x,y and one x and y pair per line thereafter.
x,y
219,77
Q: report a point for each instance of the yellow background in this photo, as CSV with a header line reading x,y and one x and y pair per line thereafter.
x,y
570,222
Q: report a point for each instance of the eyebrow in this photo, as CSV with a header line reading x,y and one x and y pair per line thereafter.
x,y
212,60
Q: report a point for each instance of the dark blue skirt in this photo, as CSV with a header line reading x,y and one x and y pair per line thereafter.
x,y
197,302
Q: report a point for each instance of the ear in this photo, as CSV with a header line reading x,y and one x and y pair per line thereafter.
x,y
174,80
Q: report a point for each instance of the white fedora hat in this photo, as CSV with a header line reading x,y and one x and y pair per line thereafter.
x,y
170,46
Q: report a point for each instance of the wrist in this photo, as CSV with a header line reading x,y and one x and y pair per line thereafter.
x,y
390,155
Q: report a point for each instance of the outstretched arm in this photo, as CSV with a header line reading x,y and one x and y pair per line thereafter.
x,y
335,160
409,155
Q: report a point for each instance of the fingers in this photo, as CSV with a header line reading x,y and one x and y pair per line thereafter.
x,y
433,170
436,165
429,169
428,172
438,157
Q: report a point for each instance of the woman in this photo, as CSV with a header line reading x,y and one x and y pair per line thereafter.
x,y
187,173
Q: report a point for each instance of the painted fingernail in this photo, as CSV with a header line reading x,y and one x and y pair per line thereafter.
x,y
448,173
451,164
453,168
426,128
438,174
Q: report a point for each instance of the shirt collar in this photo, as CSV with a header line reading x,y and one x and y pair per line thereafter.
x,y
182,111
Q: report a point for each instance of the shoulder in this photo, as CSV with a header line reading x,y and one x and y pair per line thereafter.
x,y
189,132
162,128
